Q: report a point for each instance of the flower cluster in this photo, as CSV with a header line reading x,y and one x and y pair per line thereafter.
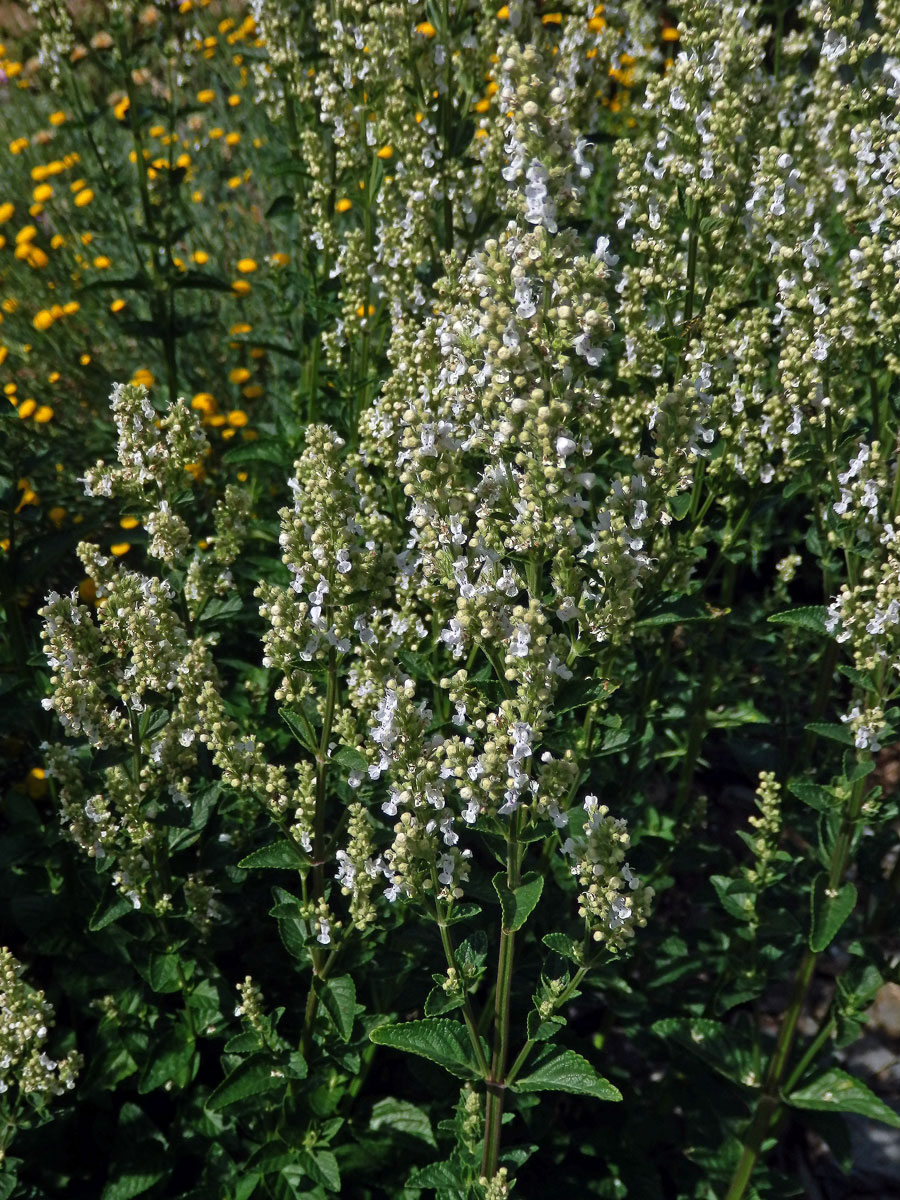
x,y
26,1020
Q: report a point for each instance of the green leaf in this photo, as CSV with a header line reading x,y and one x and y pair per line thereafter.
x,y
680,505
338,998
463,912
108,911
438,1175
279,854
216,610
439,1002
297,728
813,794
835,733
836,1091
163,973
566,1071
251,1077
719,1046
829,912
542,1029
735,895
173,1062
402,1117
564,946
352,759
811,618
441,1041
518,903
321,1166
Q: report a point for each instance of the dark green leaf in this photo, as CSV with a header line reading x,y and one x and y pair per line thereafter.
x,y
736,896
719,1046
564,946
402,1117
443,1042
813,794
836,1091
338,998
835,733
108,911
439,1002
811,618
566,1071
349,758
281,855
828,911
518,903
251,1077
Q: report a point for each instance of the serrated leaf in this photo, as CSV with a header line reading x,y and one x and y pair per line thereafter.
x,y
541,1029
835,733
443,1042
563,945
735,895
719,1046
402,1117
828,912
321,1167
349,758
251,1077
811,618
518,903
437,1175
439,1002
280,855
108,911
297,728
338,998
812,794
163,973
836,1091
566,1071
463,912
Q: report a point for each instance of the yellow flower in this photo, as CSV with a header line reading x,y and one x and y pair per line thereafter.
x,y
84,197
238,418
240,287
117,305
26,234
84,359
343,205
87,591
120,109
426,29
554,18
143,376
25,409
37,258
18,145
232,138
235,181
71,307
42,320
129,523
57,241
206,96
246,266
56,515
36,783
279,259
233,101
204,402
6,212
101,262
503,13
238,375
386,152
53,377
117,549
200,257
239,328
670,34
253,391
44,414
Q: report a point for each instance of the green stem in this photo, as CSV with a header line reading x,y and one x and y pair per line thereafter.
x,y
468,1014
769,1103
496,1084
